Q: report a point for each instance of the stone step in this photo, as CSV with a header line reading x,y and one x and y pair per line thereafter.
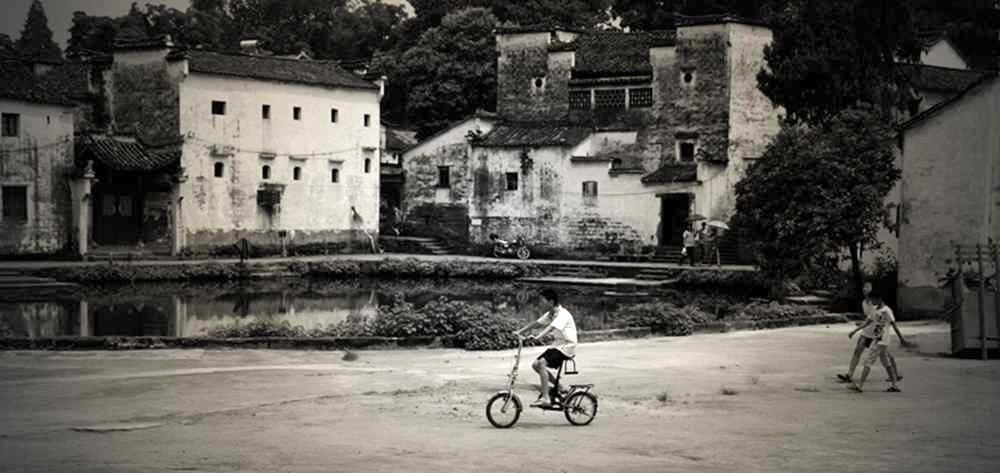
x,y
24,280
809,300
823,293
272,275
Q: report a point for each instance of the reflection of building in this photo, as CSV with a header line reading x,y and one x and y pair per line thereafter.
x,y
604,135
36,156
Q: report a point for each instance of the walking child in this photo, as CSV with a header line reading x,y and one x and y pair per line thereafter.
x,y
867,337
881,319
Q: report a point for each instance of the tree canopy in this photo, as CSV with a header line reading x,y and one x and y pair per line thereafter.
x,y
36,37
818,191
829,56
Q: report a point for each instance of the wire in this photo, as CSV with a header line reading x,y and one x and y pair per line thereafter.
x,y
33,148
276,153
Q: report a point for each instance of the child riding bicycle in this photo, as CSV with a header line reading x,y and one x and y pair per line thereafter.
x,y
558,321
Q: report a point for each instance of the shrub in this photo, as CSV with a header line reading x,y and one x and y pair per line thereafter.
x,y
258,328
771,311
662,317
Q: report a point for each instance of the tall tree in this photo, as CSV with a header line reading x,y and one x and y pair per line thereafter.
x,y
829,56
90,33
36,37
451,71
817,191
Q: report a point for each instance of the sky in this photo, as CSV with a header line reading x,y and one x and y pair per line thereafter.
x,y
60,13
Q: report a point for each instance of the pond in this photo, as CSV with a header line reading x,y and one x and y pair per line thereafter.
x,y
193,309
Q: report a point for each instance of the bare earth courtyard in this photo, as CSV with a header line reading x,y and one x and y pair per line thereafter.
x,y
661,409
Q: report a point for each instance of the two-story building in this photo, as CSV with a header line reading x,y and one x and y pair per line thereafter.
x,y
207,148
36,159
605,135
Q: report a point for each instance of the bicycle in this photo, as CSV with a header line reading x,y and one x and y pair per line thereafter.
x,y
578,404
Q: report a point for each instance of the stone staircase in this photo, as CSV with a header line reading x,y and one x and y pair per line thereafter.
x,y
656,274
820,298
728,254
417,245
569,271
17,286
128,253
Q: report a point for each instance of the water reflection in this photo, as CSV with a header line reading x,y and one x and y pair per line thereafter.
x,y
192,310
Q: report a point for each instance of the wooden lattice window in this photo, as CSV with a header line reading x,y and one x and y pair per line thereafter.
x,y
579,100
609,99
640,98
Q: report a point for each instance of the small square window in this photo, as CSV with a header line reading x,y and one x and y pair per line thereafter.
x,y
333,115
15,203
11,124
444,177
590,188
265,172
512,181
368,120
296,113
220,169
296,173
638,98
265,112
218,107
687,151
334,175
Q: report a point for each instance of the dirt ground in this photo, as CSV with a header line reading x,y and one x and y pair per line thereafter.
x,y
662,408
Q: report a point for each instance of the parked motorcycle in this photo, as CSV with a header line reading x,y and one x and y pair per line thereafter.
x,y
502,248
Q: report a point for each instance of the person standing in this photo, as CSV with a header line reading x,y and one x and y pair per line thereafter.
x,y
690,246
701,236
879,349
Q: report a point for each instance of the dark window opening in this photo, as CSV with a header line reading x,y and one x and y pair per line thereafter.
x,y
589,192
687,152
219,169
512,181
15,203
265,172
640,98
609,99
11,124
333,115
296,173
444,177
218,107
334,175
579,100
368,120
296,113
539,82
265,112
368,165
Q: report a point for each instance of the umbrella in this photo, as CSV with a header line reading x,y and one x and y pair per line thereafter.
x,y
696,217
718,224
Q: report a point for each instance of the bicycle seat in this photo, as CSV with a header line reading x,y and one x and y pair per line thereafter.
x,y
569,366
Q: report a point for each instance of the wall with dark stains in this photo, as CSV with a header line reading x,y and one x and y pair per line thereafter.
x,y
38,160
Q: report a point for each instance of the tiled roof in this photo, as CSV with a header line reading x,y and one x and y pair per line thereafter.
x,y
400,140
123,155
20,83
321,73
602,54
157,42
672,172
696,20
941,79
534,134
71,79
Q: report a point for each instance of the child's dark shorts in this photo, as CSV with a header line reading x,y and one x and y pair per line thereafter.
x,y
553,358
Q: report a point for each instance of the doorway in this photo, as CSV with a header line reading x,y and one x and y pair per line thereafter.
x,y
674,211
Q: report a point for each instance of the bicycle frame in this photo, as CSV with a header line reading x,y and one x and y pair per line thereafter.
x,y
512,377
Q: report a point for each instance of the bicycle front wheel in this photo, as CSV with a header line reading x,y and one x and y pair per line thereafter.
x,y
580,408
501,413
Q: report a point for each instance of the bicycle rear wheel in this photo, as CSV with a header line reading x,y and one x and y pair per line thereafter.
x,y
499,416
580,408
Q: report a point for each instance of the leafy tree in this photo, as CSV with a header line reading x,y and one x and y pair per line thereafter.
x,y
36,37
90,33
6,44
829,56
817,191
451,71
